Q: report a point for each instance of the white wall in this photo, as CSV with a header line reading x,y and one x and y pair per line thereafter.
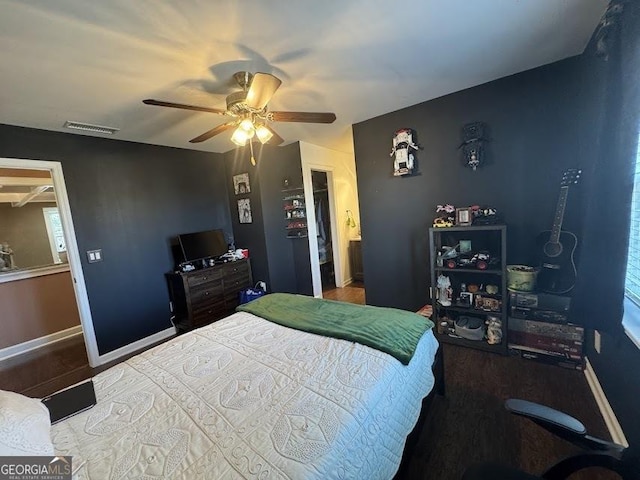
x,y
345,197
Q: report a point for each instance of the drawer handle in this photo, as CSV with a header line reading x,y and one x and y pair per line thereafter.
x,y
204,278
209,312
206,293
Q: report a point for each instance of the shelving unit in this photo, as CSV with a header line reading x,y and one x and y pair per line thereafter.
x,y
489,238
295,212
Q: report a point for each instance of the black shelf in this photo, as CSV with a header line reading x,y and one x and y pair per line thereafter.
x,y
477,344
468,270
492,238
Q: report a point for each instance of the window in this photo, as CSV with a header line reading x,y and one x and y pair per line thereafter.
x,y
631,320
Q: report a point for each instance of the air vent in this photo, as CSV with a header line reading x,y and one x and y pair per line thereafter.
x,y
87,127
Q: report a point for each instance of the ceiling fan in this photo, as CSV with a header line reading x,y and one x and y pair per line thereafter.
x,y
248,109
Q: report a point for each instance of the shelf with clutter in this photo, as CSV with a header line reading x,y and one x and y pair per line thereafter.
x,y
295,213
468,277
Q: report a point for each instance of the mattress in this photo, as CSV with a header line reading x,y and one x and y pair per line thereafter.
x,y
247,398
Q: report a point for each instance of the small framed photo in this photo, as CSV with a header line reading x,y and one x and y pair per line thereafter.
x,y
466,299
244,210
241,184
463,216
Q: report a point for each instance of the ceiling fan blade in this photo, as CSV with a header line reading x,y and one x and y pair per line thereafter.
x,y
304,117
276,139
213,132
262,88
182,106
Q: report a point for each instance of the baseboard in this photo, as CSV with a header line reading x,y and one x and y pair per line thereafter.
x,y
615,430
40,342
135,346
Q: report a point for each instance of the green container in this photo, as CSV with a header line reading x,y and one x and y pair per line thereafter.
x,y
521,278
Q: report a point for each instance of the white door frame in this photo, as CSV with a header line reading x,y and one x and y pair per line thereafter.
x,y
75,265
312,230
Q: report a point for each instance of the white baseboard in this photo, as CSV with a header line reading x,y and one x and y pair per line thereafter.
x,y
40,342
615,430
138,345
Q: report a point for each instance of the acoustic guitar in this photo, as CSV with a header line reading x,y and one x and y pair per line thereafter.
x,y
556,246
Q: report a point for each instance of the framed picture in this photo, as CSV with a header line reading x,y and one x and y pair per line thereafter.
x,y
466,299
241,184
244,210
465,246
463,216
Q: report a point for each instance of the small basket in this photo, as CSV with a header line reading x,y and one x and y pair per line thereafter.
x,y
521,278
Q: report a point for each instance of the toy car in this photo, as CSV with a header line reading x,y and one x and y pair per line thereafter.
x,y
480,260
442,222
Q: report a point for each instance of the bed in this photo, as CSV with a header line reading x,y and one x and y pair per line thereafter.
x,y
248,397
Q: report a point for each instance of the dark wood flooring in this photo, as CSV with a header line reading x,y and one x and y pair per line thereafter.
x,y
469,425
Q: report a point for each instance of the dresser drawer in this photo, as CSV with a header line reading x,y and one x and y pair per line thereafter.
x,y
195,279
236,269
209,306
206,291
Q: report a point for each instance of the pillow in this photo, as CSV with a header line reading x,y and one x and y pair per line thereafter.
x,y
24,426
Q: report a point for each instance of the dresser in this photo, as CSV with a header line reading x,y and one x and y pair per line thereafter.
x,y
204,296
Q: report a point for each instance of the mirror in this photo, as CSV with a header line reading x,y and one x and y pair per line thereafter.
x,y
31,234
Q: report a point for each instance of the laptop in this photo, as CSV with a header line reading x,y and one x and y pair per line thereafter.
x,y
69,402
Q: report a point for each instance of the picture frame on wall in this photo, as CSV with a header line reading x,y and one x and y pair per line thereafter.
x,y
464,217
241,184
244,210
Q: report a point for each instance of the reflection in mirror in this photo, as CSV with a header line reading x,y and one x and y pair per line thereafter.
x,y
31,234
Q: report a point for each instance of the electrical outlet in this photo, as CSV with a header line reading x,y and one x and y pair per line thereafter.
x,y
597,341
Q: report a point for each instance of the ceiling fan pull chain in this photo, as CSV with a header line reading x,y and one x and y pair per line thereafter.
x,y
253,160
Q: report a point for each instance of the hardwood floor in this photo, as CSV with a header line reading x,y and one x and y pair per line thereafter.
x,y
352,293
468,426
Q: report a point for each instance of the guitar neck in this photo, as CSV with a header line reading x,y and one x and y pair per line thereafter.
x,y
557,220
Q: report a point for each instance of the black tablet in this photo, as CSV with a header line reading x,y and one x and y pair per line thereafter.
x,y
68,402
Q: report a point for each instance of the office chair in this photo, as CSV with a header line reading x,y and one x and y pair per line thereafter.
x,y
597,452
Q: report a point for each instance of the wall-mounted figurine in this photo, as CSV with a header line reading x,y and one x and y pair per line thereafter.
x,y
403,149
473,139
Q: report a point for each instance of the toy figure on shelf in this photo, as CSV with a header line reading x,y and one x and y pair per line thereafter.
x,y
494,330
445,292
446,218
403,148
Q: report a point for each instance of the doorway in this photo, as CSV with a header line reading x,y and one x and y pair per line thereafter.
x,y
323,229
43,189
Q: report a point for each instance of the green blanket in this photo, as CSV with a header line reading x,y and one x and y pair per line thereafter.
x,y
389,330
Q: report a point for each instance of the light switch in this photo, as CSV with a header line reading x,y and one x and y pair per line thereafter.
x,y
94,255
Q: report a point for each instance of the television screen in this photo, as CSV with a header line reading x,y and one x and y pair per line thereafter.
x,y
198,245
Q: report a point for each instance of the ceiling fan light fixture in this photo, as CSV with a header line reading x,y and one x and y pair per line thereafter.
x,y
263,134
240,137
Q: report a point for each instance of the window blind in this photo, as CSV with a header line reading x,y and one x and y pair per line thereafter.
x,y
632,284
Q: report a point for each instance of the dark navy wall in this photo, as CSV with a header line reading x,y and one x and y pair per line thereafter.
x,y
283,263
536,132
129,199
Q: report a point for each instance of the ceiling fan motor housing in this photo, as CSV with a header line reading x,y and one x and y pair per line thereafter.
x,y
236,102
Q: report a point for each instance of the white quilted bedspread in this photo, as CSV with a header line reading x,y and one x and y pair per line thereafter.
x,y
247,398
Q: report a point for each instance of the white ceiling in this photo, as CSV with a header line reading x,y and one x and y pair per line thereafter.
x,y
95,61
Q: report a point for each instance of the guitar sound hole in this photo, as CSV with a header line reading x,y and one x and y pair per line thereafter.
x,y
552,249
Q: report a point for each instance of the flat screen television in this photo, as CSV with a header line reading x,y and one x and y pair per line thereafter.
x,y
199,245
